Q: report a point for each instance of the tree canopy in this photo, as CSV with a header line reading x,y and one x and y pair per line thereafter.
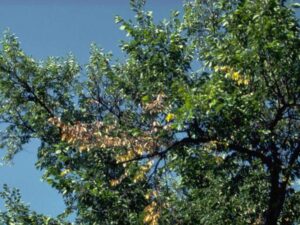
x,y
199,124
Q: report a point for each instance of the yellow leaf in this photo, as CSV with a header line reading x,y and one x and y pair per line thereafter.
x,y
63,173
169,117
224,69
114,182
246,81
139,150
236,76
147,196
64,137
139,176
82,148
151,215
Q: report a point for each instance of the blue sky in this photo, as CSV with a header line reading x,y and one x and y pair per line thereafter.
x,y
56,28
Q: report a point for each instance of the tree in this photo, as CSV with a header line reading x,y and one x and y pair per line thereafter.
x,y
19,213
202,116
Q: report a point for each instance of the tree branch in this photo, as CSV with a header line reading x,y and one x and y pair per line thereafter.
x,y
29,89
182,142
266,160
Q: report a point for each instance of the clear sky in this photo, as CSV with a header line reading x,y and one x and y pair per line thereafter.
x,y
56,28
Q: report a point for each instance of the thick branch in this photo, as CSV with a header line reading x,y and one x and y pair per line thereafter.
x,y
266,160
182,142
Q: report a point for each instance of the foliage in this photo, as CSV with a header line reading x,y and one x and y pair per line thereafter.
x,y
199,125
18,213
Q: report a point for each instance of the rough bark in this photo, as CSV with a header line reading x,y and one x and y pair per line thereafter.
x,y
276,198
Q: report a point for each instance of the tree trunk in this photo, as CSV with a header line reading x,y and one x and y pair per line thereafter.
x,y
276,199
